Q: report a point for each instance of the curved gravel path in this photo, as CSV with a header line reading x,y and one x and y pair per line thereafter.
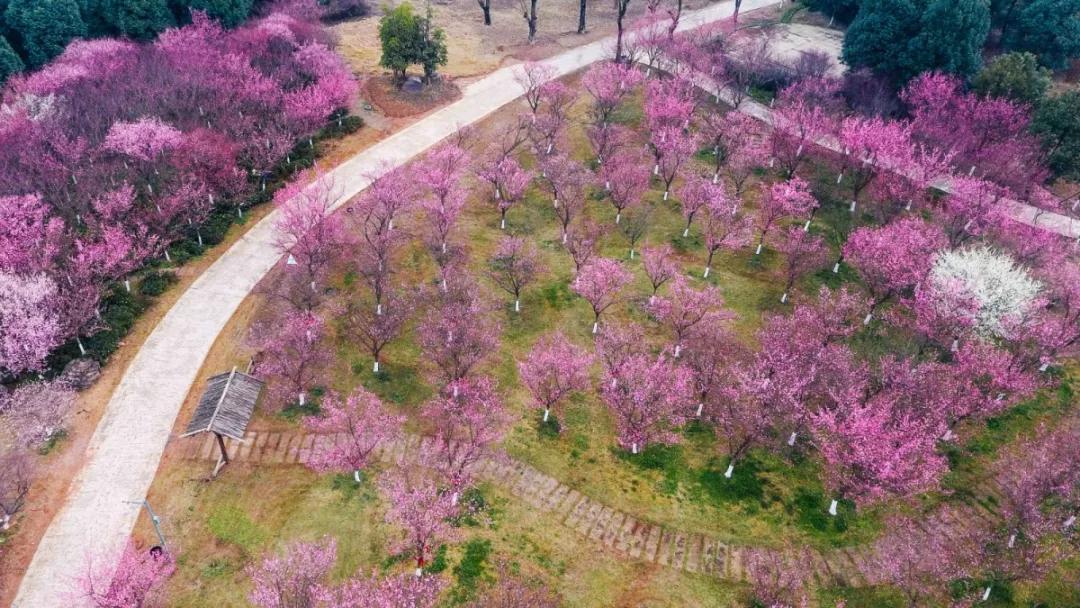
x,y
123,454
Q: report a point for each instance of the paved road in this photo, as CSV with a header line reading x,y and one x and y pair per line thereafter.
x,y
123,454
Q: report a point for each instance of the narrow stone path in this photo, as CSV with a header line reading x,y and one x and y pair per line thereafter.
x,y
623,533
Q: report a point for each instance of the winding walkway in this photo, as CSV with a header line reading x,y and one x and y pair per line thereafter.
x,y
123,455
629,536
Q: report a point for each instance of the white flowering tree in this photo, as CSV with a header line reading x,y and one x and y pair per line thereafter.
x,y
1003,291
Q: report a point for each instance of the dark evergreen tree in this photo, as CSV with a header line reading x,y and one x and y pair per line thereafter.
x,y
951,38
10,63
43,28
1048,28
880,33
138,19
843,10
1016,76
230,13
94,16
1057,123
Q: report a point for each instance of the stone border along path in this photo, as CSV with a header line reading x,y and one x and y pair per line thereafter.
x,y
627,535
123,454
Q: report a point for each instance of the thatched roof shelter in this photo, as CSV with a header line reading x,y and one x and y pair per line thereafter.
x,y
225,408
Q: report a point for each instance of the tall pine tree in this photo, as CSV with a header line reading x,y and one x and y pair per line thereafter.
x,y
879,35
138,19
951,37
42,28
1050,29
10,63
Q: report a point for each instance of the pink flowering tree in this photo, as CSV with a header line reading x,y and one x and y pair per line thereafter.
x,y
133,578
894,257
531,77
512,590
804,113
309,234
16,475
375,327
617,344
648,397
459,331
804,252
600,283
386,200
787,199
731,135
145,139
567,180
290,356
607,138
508,181
920,569
549,125
670,103
38,411
609,83
583,241
878,157
696,194
553,369
634,226
626,179
872,449
972,208
776,581
469,419
361,424
30,327
672,148
293,578
724,227
660,266
391,591
422,510
685,307
441,174
514,266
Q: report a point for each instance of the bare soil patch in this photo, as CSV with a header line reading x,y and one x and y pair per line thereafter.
x,y
395,102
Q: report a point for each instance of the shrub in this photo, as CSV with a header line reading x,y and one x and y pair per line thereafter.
x,y
156,282
1014,76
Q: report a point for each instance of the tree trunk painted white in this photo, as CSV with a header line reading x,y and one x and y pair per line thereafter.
x,y
1069,522
556,203
758,250
971,171
564,236
986,594
618,216
1012,540
1044,367
783,298
867,319
127,285
678,349
454,499
791,438
715,177
700,406
419,572
631,254
907,207
832,507
595,327
517,305
356,475
547,412
840,177
498,195
302,397
82,349
686,232
948,435
730,470
656,169
955,345
633,448
312,286
549,148
167,258
378,309
716,151
705,275
375,368
806,226
455,391
853,206
798,152
607,185
7,522
836,268
502,223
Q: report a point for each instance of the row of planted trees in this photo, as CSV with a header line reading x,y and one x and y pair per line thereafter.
x,y
116,150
